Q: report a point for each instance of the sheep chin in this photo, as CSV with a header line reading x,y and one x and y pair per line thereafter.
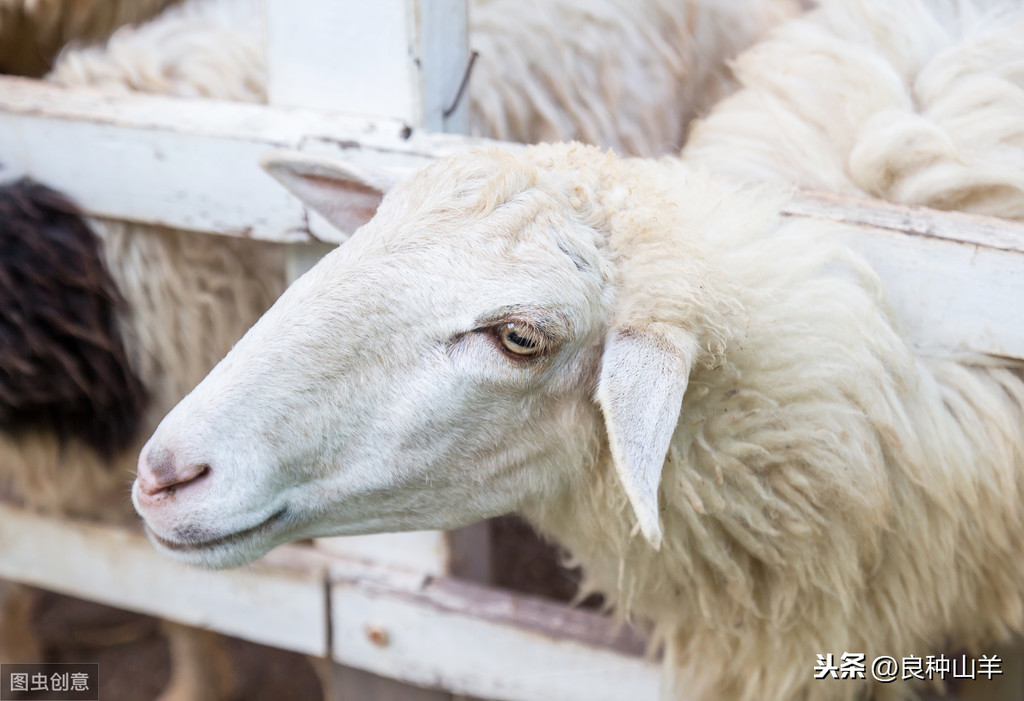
x,y
232,549
219,557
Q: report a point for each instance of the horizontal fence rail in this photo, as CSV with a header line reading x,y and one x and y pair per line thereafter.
x,y
190,164
431,631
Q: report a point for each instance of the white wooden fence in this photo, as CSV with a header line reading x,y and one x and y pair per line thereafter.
x,y
359,81
432,631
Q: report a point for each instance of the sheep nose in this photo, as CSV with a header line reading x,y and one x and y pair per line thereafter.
x,y
160,473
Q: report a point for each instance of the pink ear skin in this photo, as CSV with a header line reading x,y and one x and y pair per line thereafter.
x,y
345,194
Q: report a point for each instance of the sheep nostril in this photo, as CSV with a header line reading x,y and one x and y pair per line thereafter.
x,y
159,473
203,471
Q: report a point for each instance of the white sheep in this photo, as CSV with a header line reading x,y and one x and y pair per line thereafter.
x,y
658,61
618,73
710,406
917,102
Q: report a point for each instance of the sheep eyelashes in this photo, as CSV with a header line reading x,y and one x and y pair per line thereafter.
x,y
521,339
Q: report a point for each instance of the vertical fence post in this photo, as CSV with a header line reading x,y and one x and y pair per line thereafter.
x,y
393,59
400,59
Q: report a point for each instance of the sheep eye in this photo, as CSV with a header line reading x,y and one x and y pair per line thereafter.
x,y
520,339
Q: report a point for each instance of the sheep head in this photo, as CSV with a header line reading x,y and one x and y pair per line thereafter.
x,y
471,349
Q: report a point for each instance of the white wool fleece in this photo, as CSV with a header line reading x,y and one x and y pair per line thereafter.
x,y
916,102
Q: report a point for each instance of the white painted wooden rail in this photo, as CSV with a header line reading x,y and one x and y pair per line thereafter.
x,y
189,164
401,59
430,631
957,280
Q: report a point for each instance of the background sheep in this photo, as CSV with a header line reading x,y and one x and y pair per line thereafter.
x,y
102,335
617,73
616,348
33,31
200,48
918,102
178,286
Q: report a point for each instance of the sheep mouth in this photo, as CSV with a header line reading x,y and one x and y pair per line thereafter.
x,y
195,544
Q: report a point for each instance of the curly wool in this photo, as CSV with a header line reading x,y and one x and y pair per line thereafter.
x,y
917,102
828,488
616,73
200,48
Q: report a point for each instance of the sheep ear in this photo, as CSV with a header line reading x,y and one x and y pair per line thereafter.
x,y
345,194
643,378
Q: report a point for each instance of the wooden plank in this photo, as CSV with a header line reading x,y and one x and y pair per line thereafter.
x,y
442,39
424,552
433,632
956,280
463,553
278,601
472,640
164,178
988,232
950,294
401,59
188,164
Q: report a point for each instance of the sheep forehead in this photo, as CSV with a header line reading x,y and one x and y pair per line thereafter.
x,y
470,236
470,183
473,185
461,282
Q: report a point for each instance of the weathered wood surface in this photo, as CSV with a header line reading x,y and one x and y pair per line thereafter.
x,y
400,59
957,227
509,647
424,552
279,601
955,280
189,164
431,631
